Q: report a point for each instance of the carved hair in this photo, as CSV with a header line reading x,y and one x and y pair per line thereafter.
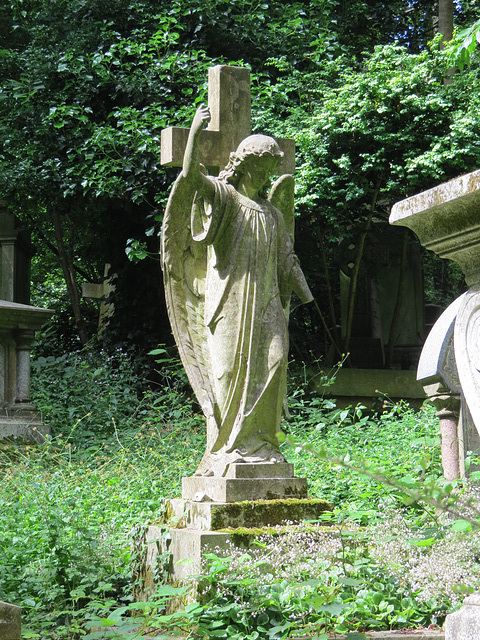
x,y
256,145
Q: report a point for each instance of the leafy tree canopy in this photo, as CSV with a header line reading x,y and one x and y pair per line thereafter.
x,y
88,85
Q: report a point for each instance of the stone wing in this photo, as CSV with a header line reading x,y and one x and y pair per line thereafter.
x,y
184,269
282,196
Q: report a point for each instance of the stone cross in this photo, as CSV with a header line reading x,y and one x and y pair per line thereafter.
x,y
102,292
230,108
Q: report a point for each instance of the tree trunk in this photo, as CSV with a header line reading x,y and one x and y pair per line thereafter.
x,y
69,275
445,27
445,19
402,282
356,270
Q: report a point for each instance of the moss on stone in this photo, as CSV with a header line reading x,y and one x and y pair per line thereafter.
x,y
267,512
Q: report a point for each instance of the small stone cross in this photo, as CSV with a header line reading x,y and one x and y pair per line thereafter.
x,y
230,108
102,292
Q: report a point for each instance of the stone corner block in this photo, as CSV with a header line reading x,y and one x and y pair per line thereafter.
x,y
464,624
10,621
214,489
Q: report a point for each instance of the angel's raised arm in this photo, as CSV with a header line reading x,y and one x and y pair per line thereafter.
x,y
191,163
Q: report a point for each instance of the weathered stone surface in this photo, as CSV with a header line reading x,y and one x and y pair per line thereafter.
x,y
437,360
362,385
209,516
229,271
230,107
446,221
269,470
214,489
30,430
10,621
18,417
464,624
437,371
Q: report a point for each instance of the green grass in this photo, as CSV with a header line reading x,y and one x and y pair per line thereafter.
x,y
70,507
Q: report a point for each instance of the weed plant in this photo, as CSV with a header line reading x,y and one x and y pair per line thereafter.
x,y
68,509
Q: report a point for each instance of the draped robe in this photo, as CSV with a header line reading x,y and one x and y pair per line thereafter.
x,y
242,292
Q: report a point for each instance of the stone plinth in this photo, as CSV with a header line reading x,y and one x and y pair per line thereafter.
x,y
353,386
10,622
18,417
201,525
210,516
246,482
464,624
209,527
446,221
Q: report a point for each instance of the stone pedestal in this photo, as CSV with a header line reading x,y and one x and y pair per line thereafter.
x,y
216,512
464,624
10,622
18,417
246,482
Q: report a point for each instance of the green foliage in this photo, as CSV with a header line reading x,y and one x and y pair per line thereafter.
x,y
88,87
93,391
374,440
69,507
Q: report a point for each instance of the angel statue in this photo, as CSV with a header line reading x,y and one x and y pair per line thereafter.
x,y
229,270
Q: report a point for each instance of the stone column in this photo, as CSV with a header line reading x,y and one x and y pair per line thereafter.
x,y
23,340
448,413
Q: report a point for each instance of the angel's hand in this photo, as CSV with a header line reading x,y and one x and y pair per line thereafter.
x,y
201,119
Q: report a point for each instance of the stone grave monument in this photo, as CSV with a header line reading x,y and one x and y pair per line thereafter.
x,y
229,270
18,323
446,220
103,292
383,298
10,621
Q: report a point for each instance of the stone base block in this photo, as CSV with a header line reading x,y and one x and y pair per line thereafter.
x,y
10,622
264,470
214,489
464,624
22,429
212,516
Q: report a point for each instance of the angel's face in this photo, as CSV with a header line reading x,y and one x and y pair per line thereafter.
x,y
256,172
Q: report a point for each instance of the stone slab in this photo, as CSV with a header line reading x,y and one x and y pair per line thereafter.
x,y
188,547
25,431
10,621
363,385
212,516
267,470
446,221
215,489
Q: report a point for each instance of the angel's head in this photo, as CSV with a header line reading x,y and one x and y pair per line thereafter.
x,y
255,160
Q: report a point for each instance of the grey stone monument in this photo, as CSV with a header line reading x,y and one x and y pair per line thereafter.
x,y
10,621
229,269
464,624
103,292
18,323
446,220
